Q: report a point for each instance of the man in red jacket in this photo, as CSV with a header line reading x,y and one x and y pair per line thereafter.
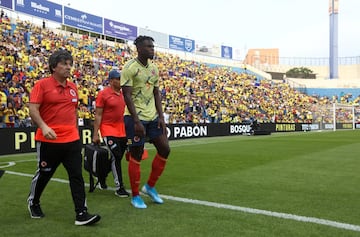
x,y
109,119
53,108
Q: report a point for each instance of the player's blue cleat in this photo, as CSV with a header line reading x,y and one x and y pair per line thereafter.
x,y
137,202
152,194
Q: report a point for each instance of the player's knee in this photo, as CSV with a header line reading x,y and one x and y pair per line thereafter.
x,y
136,155
164,152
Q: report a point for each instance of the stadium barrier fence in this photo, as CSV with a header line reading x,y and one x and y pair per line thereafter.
x,y
21,140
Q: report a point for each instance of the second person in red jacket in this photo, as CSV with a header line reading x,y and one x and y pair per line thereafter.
x,y
109,119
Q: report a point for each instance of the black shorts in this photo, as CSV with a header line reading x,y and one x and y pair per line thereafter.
x,y
152,131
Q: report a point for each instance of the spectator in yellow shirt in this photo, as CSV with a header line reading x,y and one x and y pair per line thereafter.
x,y
10,115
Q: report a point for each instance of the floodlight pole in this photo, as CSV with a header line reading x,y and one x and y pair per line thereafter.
x,y
333,60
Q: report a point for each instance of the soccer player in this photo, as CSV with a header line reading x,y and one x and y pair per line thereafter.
x,y
53,107
109,118
144,118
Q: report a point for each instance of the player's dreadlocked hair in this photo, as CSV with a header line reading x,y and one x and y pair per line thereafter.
x,y
141,38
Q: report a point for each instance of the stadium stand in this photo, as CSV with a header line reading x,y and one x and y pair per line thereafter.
x,y
192,91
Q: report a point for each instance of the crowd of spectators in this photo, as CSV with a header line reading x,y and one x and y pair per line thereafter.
x,y
192,92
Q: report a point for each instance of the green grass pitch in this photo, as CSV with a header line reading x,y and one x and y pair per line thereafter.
x,y
285,184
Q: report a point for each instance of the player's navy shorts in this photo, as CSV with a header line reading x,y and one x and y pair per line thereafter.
x,y
151,130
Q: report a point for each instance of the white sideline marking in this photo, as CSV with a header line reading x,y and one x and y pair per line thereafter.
x,y
314,220
268,213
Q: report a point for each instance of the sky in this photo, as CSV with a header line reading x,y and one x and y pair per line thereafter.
x,y
298,28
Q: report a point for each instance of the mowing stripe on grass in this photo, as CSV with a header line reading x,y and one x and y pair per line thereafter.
x,y
314,220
